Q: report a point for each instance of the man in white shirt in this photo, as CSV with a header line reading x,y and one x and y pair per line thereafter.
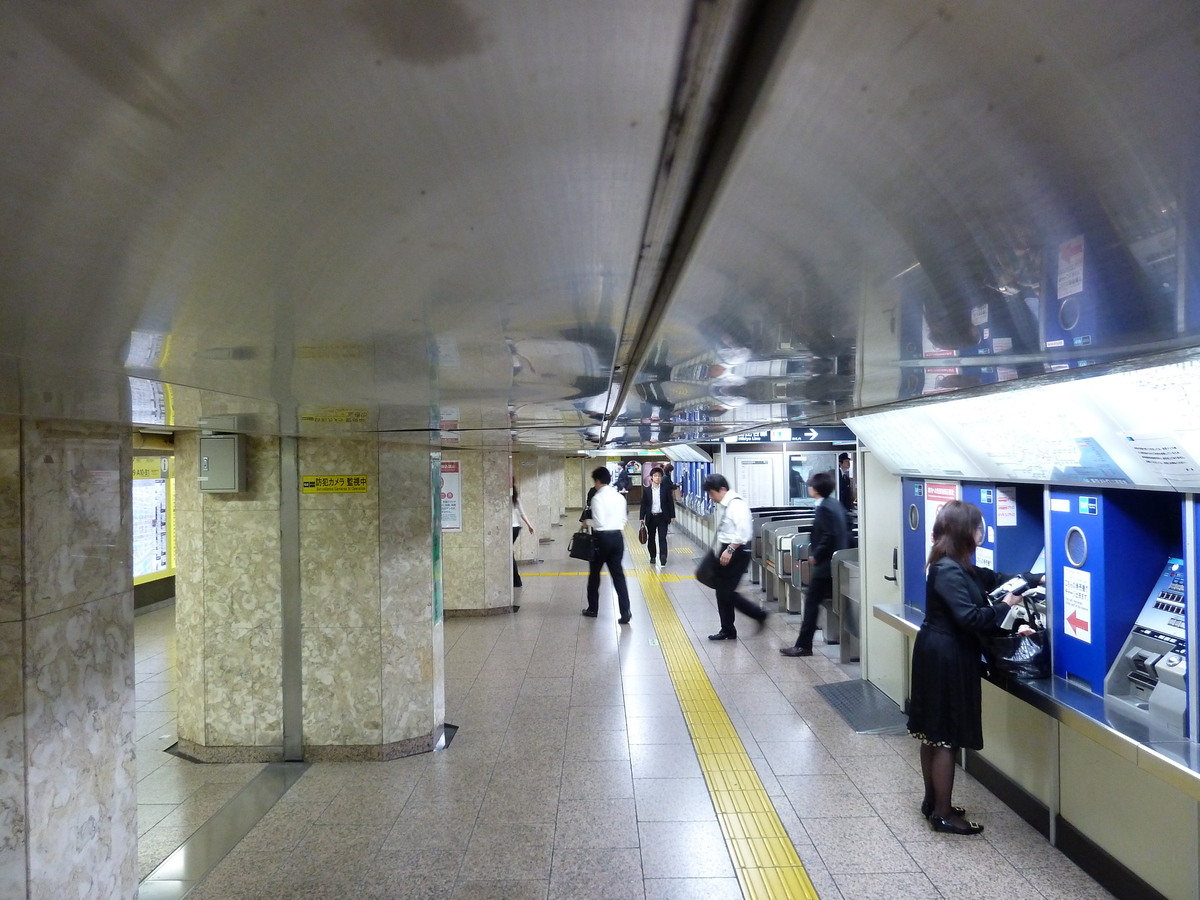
x,y
608,521
734,534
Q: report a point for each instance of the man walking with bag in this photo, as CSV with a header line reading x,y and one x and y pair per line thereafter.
x,y
734,533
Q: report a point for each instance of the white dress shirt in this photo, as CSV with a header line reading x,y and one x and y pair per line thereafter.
x,y
608,509
736,525
656,498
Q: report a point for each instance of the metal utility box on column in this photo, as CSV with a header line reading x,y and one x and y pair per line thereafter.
x,y
222,463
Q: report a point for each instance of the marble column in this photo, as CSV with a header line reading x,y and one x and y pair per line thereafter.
x,y
229,634
477,561
68,804
574,479
370,653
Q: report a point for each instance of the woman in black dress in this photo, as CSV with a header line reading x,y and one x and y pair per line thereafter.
x,y
945,710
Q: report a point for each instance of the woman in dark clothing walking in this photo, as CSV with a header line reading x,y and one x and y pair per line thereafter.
x,y
945,711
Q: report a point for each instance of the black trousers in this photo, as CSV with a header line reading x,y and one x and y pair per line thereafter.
x,y
728,596
610,549
819,588
516,574
656,527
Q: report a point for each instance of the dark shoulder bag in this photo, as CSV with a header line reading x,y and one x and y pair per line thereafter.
x,y
582,546
709,566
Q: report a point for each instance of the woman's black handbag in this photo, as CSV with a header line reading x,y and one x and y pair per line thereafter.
x,y
707,569
582,546
1021,655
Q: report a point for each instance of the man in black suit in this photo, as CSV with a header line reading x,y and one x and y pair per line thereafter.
x,y
830,533
657,511
845,482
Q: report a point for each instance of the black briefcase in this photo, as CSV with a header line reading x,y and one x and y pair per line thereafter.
x,y
582,546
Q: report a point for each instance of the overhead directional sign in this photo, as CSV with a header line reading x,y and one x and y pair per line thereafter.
x,y
830,434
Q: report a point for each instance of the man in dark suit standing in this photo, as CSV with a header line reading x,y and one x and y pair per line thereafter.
x,y
830,533
657,512
845,482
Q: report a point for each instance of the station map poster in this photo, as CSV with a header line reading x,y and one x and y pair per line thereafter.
x,y
755,477
153,551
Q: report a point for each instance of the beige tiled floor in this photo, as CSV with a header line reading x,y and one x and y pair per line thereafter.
x,y
573,776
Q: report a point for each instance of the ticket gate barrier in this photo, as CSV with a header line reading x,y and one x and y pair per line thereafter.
x,y
786,561
846,611
759,517
771,533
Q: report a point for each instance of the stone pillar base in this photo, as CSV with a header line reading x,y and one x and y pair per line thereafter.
x,y
475,613
312,753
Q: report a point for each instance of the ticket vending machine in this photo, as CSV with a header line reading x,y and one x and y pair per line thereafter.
x,y
1107,549
922,500
1014,532
1148,680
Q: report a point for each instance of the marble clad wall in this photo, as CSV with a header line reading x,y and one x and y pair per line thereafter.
x,y
370,654
340,597
413,675
227,602
68,806
545,498
477,561
574,477
558,486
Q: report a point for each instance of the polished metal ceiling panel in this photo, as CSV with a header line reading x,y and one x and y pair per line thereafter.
x,y
569,221
915,161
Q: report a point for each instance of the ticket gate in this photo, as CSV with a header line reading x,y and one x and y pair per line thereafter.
x,y
786,560
759,517
801,573
772,533
846,612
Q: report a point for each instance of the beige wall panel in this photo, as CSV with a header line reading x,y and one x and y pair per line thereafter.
x,y
1019,741
342,691
574,491
1118,806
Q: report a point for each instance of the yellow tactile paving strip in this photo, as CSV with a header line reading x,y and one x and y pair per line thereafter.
x,y
766,862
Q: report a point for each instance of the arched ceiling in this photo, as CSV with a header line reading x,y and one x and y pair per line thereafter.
x,y
567,222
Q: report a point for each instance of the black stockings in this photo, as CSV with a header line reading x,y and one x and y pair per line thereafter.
x,y
937,768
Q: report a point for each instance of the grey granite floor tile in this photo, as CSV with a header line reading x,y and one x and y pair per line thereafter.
x,y
902,814
500,890
241,875
659,683
611,874
508,852
693,889
596,824
859,845
597,779
882,774
779,728
596,718
548,687
156,844
799,758
596,745
520,801
282,828
665,760
1065,883
657,730
684,850
673,800
814,796
434,828
150,814
824,883
893,886
842,742
967,866
199,807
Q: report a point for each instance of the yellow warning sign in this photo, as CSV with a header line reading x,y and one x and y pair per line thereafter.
x,y
333,484
354,415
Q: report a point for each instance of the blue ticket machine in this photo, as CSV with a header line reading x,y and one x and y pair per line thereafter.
x,y
1107,549
915,551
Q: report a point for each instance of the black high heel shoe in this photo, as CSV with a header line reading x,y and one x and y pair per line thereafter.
x,y
927,809
937,823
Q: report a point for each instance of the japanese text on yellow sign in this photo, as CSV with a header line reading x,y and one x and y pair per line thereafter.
x,y
333,484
